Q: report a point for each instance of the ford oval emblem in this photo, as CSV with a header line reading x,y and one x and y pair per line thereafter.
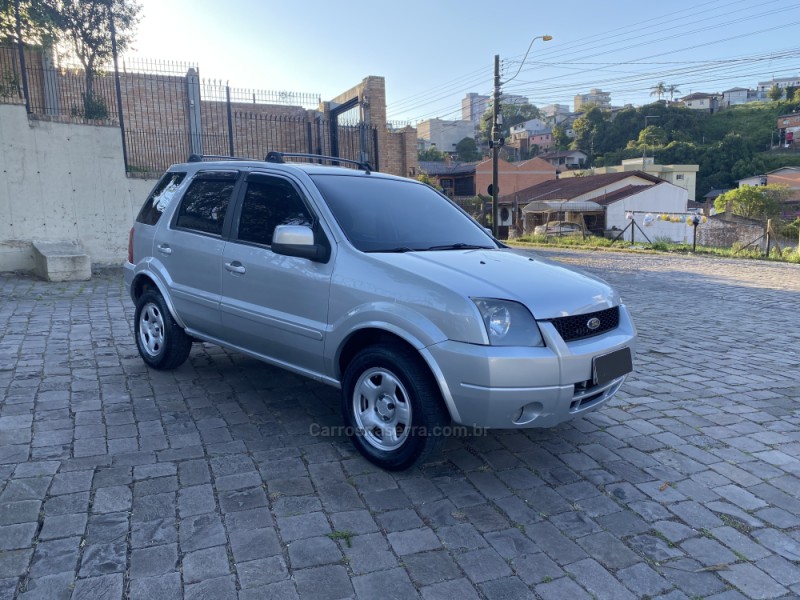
x,y
593,323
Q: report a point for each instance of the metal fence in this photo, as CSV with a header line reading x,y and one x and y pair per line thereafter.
x,y
168,112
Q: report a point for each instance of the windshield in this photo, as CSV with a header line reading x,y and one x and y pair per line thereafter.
x,y
393,215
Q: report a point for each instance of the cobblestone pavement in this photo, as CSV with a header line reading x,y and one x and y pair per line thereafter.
x,y
208,482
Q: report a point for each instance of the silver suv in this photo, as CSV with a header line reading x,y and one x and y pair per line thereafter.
x,y
377,285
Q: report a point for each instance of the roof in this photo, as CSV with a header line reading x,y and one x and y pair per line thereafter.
x,y
573,187
736,89
698,96
716,192
439,168
617,195
538,206
560,154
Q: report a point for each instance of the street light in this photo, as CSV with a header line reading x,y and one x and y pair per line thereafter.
x,y
496,122
644,152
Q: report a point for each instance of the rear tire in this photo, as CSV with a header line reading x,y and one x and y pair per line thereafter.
x,y
393,407
161,342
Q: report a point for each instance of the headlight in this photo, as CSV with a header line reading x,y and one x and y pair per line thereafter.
x,y
508,323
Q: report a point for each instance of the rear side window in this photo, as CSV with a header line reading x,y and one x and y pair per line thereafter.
x,y
160,198
205,203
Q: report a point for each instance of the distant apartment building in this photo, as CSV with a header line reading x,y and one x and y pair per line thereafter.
x,y
595,96
513,99
534,132
445,135
553,114
782,82
684,176
473,106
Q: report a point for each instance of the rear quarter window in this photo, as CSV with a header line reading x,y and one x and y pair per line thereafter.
x,y
160,198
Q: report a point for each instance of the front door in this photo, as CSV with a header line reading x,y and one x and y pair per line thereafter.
x,y
273,305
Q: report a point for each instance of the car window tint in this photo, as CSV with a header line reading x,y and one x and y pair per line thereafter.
x,y
160,198
204,205
269,202
380,214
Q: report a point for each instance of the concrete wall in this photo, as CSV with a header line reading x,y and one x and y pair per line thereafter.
x,y
61,181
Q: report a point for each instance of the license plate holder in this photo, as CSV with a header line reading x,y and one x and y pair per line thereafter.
x,y
612,365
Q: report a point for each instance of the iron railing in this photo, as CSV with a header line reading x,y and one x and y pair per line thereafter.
x,y
169,112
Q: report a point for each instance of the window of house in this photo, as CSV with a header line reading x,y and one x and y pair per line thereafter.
x,y
679,176
269,202
447,183
205,203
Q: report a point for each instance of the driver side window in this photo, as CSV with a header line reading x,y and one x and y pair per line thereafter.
x,y
269,202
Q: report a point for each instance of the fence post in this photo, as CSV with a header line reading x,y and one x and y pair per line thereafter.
x,y
52,105
118,88
22,66
769,236
230,119
195,119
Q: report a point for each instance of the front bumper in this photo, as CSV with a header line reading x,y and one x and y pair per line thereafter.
x,y
512,387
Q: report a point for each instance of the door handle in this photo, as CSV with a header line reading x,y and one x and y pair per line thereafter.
x,y
165,249
235,267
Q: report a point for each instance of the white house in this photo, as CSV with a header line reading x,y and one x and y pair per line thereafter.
x,y
648,206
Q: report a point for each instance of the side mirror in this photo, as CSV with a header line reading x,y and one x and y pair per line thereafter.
x,y
298,240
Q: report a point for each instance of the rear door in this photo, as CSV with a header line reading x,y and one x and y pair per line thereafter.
x,y
273,305
190,249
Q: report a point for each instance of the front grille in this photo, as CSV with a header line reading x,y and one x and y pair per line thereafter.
x,y
575,328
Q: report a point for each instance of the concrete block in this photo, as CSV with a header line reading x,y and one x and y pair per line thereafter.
x,y
61,261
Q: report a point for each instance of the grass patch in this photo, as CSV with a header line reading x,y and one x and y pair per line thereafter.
x,y
789,255
347,536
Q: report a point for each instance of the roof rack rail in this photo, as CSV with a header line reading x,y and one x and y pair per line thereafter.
x,y
277,157
201,157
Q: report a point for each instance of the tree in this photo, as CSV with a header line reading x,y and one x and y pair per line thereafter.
x,y
512,114
650,136
754,202
672,90
428,180
36,21
87,26
791,90
775,93
560,137
659,89
467,150
432,154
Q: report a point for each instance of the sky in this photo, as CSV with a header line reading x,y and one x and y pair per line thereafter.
x,y
433,52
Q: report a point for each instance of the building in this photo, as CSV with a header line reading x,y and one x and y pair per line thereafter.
x,y
684,176
736,96
553,114
473,106
607,202
470,179
445,135
534,132
595,96
565,159
789,130
782,82
701,101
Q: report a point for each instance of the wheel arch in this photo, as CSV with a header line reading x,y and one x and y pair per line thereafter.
x,y
144,282
375,336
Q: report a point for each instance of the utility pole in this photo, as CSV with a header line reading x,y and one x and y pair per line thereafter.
x,y
495,140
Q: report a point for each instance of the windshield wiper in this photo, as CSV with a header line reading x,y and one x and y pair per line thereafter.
x,y
398,250
460,246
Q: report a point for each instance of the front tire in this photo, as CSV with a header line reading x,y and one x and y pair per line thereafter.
x,y
392,407
161,342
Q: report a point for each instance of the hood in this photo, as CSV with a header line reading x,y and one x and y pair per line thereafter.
x,y
547,289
